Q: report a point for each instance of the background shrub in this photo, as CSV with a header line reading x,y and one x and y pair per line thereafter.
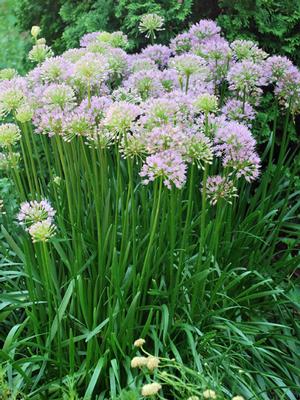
x,y
275,24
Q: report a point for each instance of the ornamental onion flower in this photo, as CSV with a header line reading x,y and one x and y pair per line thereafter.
x,y
204,29
158,53
8,74
167,165
218,187
139,342
119,117
12,95
182,43
36,211
59,96
247,50
245,78
150,24
24,113
40,52
42,231
152,363
10,134
206,103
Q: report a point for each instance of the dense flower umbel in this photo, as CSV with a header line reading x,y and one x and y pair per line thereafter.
x,y
167,165
150,23
42,231
218,187
9,135
35,211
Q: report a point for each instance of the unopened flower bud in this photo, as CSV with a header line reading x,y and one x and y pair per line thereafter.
x,y
151,389
152,363
41,41
138,362
139,342
35,31
209,394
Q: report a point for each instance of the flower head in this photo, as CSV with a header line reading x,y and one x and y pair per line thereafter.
x,y
40,52
150,389
59,96
206,103
204,29
187,64
146,83
42,231
55,70
182,43
245,78
36,211
12,95
10,134
24,113
158,53
167,165
35,31
218,187
120,116
247,50
7,74
151,23
90,69
209,394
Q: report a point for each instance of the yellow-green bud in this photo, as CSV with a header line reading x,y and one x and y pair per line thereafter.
x,y
41,41
35,31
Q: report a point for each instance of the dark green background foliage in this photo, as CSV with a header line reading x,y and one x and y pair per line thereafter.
x,y
275,24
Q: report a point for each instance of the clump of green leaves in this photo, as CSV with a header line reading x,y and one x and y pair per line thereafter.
x,y
275,24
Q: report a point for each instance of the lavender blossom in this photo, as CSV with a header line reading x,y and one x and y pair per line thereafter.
x,y
245,78
236,110
182,43
247,50
120,116
167,165
35,211
158,53
236,145
218,187
146,83
204,29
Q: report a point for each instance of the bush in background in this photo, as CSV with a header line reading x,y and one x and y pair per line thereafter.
x,y
275,24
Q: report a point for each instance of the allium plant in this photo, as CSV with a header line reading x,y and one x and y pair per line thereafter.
x,y
144,158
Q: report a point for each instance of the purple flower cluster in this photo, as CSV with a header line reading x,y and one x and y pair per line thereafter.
x,y
162,105
235,144
167,165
